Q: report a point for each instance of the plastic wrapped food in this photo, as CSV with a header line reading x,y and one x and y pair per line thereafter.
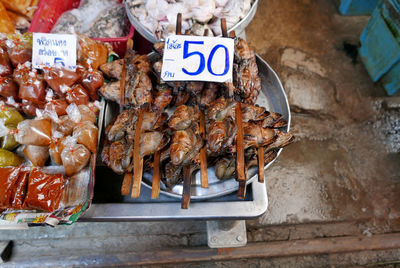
x,y
59,77
8,88
92,81
32,89
19,192
68,23
57,105
77,95
74,156
8,178
9,159
5,65
29,108
110,23
44,190
64,125
91,54
8,142
87,114
38,155
34,132
10,115
19,48
86,133
56,147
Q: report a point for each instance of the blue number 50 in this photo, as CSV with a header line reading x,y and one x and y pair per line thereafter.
x,y
187,54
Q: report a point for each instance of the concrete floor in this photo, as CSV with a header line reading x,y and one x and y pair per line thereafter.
x,y
340,178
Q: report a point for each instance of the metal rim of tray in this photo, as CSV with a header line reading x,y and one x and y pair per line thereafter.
x,y
146,33
283,103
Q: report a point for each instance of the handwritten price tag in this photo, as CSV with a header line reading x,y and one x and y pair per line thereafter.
x,y
54,49
197,58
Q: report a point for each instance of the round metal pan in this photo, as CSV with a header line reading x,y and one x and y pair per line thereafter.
x,y
273,98
147,34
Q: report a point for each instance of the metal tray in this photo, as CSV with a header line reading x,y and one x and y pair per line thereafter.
x,y
108,204
272,97
146,33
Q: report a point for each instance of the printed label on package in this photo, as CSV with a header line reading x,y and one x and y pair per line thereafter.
x,y
197,58
54,50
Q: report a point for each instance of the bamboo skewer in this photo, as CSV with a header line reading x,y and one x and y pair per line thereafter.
x,y
155,187
260,152
127,182
129,46
187,179
137,160
203,150
240,168
240,164
224,29
203,153
179,24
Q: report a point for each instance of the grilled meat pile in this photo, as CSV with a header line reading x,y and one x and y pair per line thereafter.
x,y
177,136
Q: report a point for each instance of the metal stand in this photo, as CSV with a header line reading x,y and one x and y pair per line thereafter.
x,y
226,234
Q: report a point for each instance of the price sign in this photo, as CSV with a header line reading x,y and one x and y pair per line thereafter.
x,y
197,58
54,49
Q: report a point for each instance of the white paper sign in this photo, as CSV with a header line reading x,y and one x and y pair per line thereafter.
x,y
54,49
197,58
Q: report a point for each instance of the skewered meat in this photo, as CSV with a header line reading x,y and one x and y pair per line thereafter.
x,y
117,156
153,120
113,69
137,87
255,136
221,135
111,91
161,98
247,82
149,142
183,117
119,127
209,94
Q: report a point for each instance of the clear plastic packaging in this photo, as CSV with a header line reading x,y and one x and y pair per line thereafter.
x,y
8,88
57,105
87,114
55,149
86,133
74,156
64,125
9,159
34,132
44,190
56,78
38,155
91,54
92,80
77,95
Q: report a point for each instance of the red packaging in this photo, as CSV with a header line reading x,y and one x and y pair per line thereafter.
x,y
44,191
8,179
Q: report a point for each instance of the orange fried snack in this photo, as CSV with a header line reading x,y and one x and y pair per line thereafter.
x,y
23,7
6,24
